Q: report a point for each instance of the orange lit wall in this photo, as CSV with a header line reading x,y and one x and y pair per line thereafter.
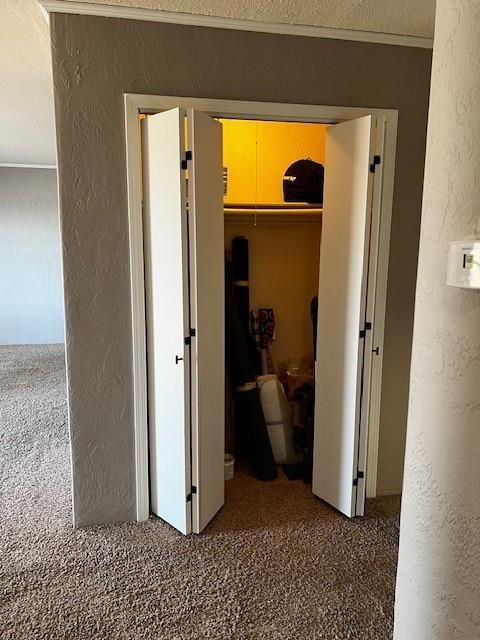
x,y
258,153
284,256
283,259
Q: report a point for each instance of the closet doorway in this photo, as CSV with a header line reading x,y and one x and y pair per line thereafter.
x,y
191,212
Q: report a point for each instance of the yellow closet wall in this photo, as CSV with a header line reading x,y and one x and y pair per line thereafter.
x,y
283,256
257,154
283,260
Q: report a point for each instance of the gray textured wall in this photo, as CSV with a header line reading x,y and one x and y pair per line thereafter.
x,y
31,301
95,60
438,587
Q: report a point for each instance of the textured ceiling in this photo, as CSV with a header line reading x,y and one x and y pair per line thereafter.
x,y
406,17
26,95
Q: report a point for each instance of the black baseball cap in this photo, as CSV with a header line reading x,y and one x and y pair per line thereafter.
x,y
303,182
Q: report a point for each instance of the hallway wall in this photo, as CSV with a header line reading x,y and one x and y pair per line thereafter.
x,y
438,587
31,298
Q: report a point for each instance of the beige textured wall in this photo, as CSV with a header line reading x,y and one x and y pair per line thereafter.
x,y
438,588
406,17
95,60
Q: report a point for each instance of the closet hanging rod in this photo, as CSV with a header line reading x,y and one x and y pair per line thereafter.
x,y
282,206
275,221
273,215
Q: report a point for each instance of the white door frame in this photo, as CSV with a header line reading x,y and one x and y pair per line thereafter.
x,y
136,104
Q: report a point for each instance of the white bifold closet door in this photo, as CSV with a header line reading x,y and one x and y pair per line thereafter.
x,y
343,356
184,276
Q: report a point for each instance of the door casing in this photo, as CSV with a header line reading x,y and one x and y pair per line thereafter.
x,y
136,104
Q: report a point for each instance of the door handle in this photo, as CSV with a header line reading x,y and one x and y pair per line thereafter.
x,y
376,350
177,359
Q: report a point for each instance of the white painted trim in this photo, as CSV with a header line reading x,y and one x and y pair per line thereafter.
x,y
237,24
137,280
386,148
135,104
13,165
247,110
44,12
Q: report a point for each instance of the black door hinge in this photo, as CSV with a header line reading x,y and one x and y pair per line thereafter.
x,y
189,495
376,160
368,327
188,156
188,339
360,475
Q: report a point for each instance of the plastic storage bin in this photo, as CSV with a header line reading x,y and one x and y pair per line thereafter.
x,y
229,466
279,419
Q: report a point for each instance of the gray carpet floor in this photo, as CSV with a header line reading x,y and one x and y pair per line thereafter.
x,y
276,563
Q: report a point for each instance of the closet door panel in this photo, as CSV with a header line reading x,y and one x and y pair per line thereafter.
x,y
167,311
207,282
341,315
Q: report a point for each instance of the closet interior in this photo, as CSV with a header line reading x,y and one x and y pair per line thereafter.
x,y
273,198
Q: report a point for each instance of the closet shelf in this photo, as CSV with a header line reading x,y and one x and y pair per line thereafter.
x,y
290,212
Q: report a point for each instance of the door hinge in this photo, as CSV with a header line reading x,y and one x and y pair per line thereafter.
x,y
188,339
368,327
189,495
360,476
376,160
188,156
